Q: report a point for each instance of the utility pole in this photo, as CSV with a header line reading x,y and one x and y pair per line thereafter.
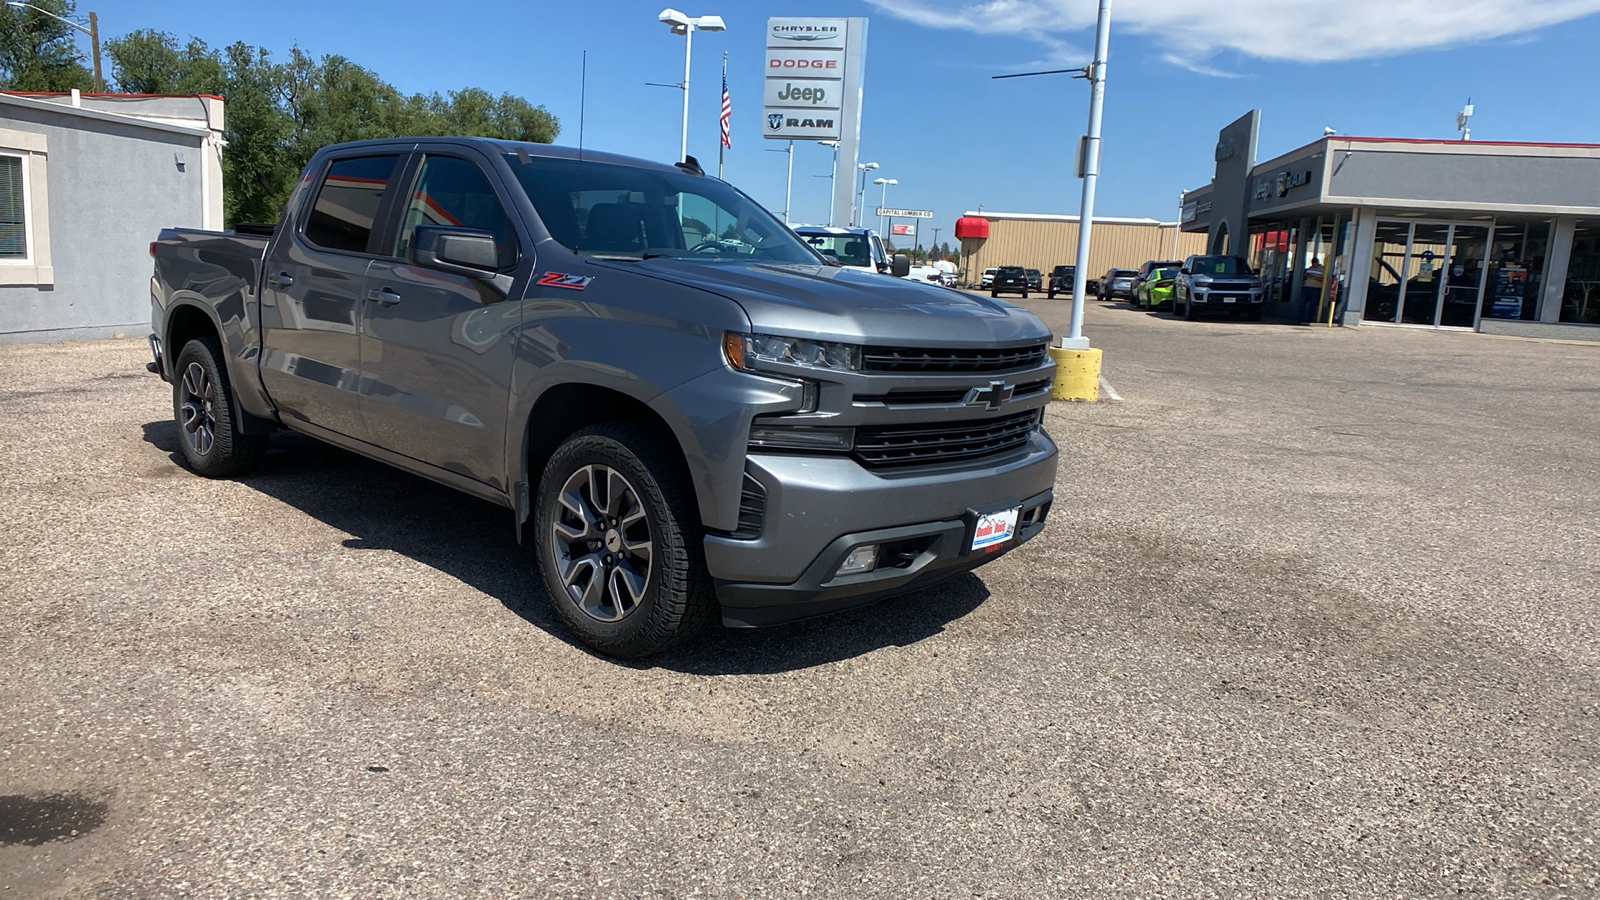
x,y
94,42
93,31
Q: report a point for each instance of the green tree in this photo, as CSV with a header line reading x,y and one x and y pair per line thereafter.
x,y
39,53
279,114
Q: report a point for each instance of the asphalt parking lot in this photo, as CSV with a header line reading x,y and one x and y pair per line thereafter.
x,y
1316,617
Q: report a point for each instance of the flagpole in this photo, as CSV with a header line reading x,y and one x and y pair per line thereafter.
x,y
721,139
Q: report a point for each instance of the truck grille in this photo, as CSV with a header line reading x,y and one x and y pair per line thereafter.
x,y
899,398
917,445
910,359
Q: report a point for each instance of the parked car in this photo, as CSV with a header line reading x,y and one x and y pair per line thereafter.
x,y
1009,280
1155,287
851,248
1061,280
675,419
1117,283
1217,284
1035,280
1149,266
988,277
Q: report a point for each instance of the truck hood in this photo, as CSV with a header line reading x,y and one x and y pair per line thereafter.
x,y
855,306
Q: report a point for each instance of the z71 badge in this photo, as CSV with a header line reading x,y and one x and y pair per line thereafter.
x,y
563,280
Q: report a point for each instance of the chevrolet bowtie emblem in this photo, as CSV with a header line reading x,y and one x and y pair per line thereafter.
x,y
991,397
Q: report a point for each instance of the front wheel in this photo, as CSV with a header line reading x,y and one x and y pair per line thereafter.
x,y
205,409
619,543
1024,295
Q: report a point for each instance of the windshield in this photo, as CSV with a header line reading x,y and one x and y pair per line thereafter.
x,y
848,249
1219,265
629,212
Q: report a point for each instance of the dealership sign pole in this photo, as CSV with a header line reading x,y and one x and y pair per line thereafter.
x,y
812,90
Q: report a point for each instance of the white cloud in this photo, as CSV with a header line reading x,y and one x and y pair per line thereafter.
x,y
1299,30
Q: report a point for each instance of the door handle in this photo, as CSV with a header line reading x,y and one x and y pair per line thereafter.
x,y
280,280
385,296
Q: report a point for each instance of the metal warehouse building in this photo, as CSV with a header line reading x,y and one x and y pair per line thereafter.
x,y
1041,241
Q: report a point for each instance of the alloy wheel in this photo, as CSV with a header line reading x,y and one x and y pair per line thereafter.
x,y
602,543
197,409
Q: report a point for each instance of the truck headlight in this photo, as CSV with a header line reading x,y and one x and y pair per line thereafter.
x,y
743,350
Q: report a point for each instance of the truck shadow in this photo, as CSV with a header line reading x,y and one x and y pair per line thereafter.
x,y
473,541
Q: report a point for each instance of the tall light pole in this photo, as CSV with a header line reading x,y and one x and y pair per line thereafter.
x,y
833,179
93,31
1089,164
686,25
855,211
1091,170
788,183
884,200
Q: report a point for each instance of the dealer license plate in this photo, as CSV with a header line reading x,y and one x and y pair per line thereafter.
x,y
996,528
1228,299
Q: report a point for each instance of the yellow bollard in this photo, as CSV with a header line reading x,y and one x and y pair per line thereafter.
x,y
1077,374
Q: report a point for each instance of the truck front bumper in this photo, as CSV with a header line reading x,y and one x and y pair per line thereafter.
x,y
820,509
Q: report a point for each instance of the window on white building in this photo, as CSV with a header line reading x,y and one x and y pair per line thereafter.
x,y
13,209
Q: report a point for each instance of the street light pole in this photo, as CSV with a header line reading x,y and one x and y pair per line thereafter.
x,y
686,25
833,179
93,31
788,184
1091,171
883,200
861,192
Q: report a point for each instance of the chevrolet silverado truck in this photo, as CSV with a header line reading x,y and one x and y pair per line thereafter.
x,y
688,410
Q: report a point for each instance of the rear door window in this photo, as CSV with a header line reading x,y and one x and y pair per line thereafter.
x,y
347,203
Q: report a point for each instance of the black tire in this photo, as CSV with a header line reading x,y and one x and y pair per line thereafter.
x,y
616,611
1024,295
207,415
1254,314
1188,310
1051,295
994,293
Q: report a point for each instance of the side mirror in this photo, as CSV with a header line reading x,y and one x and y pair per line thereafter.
x,y
901,267
463,251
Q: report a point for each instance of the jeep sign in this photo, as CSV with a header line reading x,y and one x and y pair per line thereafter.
x,y
790,94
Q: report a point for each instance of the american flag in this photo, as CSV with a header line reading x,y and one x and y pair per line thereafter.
x,y
727,111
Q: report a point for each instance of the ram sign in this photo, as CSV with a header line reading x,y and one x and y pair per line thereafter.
x,y
813,82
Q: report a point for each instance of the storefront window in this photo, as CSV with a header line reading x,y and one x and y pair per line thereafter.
x,y
1388,261
1580,303
1516,270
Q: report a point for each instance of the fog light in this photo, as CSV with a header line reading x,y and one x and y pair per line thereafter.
x,y
860,560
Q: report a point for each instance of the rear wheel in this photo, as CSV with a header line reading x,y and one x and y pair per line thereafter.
x,y
619,543
204,407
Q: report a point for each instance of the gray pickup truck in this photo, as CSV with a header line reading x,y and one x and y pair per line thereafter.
x,y
687,409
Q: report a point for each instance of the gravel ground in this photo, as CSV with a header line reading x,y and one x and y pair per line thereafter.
x,y
1316,617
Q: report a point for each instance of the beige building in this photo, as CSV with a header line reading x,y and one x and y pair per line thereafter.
x,y
1041,241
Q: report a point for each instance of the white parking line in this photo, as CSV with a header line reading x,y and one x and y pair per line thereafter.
x,y
1108,392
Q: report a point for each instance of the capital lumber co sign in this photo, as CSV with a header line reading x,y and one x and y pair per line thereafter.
x,y
894,213
808,78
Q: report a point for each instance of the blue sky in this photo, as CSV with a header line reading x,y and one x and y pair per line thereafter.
x,y
934,119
